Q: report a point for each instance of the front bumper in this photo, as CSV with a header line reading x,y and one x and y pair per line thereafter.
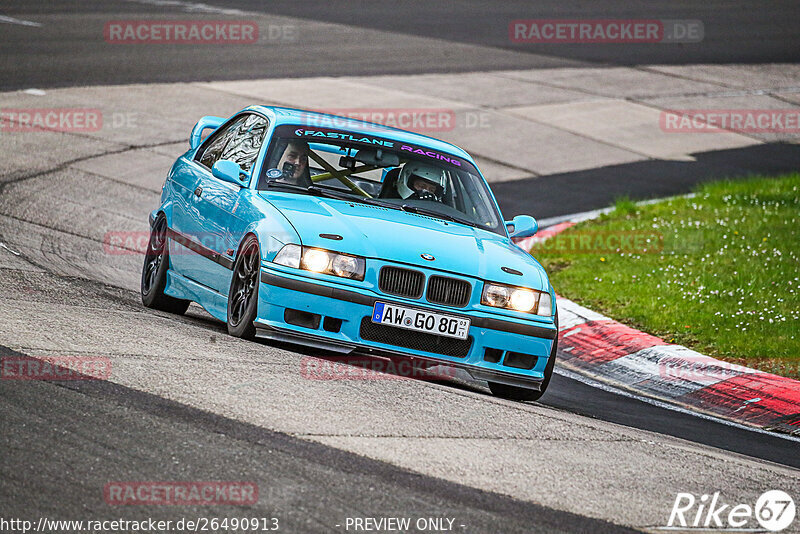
x,y
344,331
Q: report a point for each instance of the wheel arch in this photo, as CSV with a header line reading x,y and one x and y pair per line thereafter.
x,y
165,210
248,233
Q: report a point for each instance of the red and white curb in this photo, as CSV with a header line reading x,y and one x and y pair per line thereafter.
x,y
593,345
606,351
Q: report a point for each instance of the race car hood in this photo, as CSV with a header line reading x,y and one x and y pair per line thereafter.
x,y
399,236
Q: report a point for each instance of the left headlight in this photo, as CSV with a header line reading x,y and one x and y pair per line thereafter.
x,y
323,261
516,298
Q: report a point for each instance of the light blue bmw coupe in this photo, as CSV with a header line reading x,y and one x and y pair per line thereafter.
x,y
350,236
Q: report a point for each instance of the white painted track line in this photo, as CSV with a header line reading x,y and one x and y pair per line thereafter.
x,y
12,20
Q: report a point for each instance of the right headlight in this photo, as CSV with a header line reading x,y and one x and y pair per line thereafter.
x,y
323,261
517,298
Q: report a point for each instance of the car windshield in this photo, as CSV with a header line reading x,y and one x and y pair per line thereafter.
x,y
377,170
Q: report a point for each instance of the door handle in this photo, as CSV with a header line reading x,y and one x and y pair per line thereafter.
x,y
198,191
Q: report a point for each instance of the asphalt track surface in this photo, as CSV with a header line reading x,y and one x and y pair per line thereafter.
x,y
100,427
70,438
333,38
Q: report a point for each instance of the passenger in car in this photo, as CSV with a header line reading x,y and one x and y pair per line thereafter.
x,y
294,163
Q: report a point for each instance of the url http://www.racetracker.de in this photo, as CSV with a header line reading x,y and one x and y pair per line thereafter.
x,y
197,524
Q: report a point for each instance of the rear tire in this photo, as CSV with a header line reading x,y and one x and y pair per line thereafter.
x,y
154,272
524,394
243,293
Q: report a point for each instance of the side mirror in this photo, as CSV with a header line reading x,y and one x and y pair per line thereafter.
x,y
203,124
522,226
229,171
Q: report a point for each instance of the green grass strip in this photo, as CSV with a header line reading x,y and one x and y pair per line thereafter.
x,y
718,272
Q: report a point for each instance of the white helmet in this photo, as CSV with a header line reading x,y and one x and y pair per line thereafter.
x,y
415,173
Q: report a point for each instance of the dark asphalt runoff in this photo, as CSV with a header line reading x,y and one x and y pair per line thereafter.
x,y
577,397
68,48
574,192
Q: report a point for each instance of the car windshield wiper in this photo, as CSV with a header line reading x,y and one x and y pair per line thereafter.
x,y
331,193
293,187
313,189
433,213
372,201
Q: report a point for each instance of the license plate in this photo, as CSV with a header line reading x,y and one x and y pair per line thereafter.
x,y
421,321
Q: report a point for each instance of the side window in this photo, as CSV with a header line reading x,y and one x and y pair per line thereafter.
x,y
240,142
212,147
246,141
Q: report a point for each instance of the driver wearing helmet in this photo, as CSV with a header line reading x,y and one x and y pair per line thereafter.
x,y
418,181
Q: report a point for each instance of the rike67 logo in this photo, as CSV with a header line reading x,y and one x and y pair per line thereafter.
x,y
773,511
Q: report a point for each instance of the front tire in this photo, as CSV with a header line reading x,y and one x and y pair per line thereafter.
x,y
154,272
524,394
243,293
